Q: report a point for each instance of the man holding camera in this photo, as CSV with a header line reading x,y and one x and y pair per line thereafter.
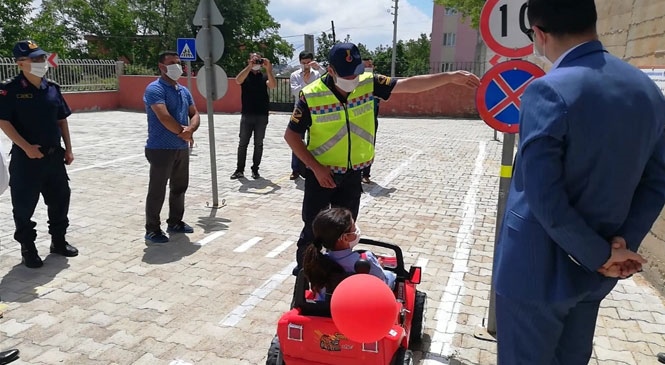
x,y
254,85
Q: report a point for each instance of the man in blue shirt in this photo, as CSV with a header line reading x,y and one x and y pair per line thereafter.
x,y
33,114
172,119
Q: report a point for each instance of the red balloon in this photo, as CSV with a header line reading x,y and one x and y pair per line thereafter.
x,y
363,308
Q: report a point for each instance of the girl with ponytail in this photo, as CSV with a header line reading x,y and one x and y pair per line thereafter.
x,y
335,230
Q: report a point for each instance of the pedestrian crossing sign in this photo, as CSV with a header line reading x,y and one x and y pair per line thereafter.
x,y
186,49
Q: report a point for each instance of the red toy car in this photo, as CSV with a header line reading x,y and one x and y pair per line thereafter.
x,y
307,335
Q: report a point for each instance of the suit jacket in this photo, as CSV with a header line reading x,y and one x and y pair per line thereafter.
x,y
590,165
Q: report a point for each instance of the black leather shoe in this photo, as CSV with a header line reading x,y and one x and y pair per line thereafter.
x,y
65,249
8,356
661,357
32,260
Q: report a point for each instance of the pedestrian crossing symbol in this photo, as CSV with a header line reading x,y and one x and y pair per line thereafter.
x,y
186,52
187,49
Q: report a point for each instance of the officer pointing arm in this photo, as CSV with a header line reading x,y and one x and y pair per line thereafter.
x,y
343,85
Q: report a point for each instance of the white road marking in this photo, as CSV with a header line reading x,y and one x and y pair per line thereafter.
x,y
256,297
448,310
246,246
369,195
422,262
279,249
101,164
205,240
179,362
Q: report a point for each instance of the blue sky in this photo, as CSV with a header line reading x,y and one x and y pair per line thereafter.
x,y
367,21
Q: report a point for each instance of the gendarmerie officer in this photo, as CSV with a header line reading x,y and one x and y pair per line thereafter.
x,y
338,109
33,114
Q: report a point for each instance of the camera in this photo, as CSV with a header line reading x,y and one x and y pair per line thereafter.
x,y
258,61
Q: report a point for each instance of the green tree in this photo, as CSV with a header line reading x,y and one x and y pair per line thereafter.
x,y
412,57
324,42
53,35
139,29
13,17
468,8
416,55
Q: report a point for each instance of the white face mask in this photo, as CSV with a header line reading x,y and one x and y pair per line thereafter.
x,y
369,69
347,85
38,69
174,71
353,243
304,67
256,67
539,55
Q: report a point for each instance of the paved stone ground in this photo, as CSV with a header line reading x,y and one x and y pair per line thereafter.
x,y
214,297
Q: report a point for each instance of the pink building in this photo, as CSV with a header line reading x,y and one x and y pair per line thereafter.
x,y
454,42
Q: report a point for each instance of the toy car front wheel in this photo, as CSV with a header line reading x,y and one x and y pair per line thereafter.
x,y
275,353
418,322
402,357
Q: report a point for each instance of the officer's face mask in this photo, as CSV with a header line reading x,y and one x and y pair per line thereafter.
x,y
347,85
174,71
38,69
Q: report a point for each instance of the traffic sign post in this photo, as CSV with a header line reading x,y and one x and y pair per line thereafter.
x,y
52,60
186,48
498,98
210,80
503,27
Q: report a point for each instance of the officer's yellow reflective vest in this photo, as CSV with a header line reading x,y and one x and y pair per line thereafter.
x,y
342,135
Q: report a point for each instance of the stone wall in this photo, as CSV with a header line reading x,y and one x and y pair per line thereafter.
x,y
634,30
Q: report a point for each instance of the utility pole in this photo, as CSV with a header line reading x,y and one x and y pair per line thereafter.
x,y
332,23
394,57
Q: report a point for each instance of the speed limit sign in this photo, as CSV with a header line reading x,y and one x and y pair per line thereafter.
x,y
503,26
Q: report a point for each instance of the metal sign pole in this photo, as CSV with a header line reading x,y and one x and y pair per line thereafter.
x,y
504,186
211,91
188,64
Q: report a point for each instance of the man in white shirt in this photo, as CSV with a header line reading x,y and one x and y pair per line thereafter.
x,y
308,72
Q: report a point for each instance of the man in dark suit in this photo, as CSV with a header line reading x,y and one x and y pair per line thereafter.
x,y
589,182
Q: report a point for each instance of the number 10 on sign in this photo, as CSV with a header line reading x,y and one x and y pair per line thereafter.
x,y
503,26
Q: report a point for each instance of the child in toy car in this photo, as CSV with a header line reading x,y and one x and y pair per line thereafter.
x,y
335,230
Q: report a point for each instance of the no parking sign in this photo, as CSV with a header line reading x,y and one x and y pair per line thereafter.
x,y
498,98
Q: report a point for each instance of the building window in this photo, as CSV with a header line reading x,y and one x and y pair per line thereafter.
x,y
449,39
451,11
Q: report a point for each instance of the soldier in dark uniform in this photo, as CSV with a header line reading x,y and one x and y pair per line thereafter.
x,y
33,114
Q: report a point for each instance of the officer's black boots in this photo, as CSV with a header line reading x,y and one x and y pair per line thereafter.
x,y
61,247
30,256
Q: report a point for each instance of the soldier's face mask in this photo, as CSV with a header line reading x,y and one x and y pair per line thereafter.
x,y
36,66
38,69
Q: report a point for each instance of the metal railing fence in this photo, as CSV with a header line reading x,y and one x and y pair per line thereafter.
x,y
74,74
